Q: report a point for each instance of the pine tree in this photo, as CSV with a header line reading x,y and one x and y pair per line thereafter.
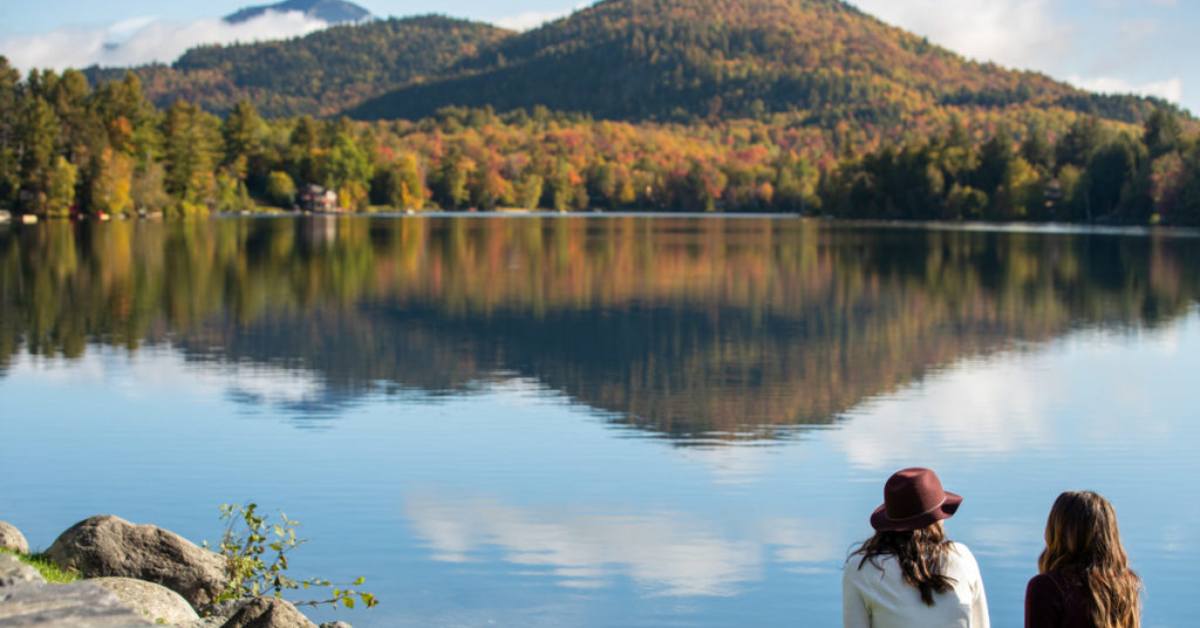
x,y
38,131
243,131
192,151
10,109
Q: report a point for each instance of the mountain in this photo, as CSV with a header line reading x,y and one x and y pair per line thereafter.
x,y
679,59
331,11
820,62
320,74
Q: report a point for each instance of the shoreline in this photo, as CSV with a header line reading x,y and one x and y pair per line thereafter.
x,y
978,226
105,572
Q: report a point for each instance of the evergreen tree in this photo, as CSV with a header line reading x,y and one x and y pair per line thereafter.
x,y
243,131
304,151
1037,150
192,152
10,119
1109,173
1163,133
1082,140
38,137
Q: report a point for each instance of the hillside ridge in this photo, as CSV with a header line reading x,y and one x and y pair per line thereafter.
x,y
682,59
319,74
818,62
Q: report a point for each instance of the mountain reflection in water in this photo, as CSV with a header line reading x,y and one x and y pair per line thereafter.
x,y
702,331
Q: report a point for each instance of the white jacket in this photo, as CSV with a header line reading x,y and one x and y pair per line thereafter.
x,y
878,597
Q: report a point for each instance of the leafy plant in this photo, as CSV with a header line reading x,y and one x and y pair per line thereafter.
x,y
256,552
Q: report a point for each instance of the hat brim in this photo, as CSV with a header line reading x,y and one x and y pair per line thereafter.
x,y
881,522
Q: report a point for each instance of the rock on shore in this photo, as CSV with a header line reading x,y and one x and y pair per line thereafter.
x,y
268,612
78,604
107,546
139,575
13,572
12,539
155,603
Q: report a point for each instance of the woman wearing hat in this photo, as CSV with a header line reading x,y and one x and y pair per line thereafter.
x,y
909,575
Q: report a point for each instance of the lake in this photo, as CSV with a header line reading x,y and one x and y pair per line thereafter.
x,y
602,421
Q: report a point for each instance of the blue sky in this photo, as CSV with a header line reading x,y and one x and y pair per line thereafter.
x,y
1147,46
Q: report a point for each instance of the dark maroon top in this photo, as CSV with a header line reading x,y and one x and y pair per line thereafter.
x,y
1055,600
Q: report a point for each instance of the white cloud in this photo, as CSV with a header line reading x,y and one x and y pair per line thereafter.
x,y
669,554
529,20
1031,34
1012,32
994,407
145,40
1170,89
163,368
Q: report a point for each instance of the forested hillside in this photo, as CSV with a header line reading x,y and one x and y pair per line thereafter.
x,y
805,106
320,74
66,149
682,59
820,62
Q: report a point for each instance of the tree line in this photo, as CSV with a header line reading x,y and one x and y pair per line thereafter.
x,y
67,148
1092,173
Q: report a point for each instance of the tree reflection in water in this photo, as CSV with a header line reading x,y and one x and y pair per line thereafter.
x,y
701,330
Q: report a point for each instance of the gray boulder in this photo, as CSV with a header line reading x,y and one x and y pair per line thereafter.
x,y
13,572
55,606
215,615
155,603
12,539
268,612
336,624
108,546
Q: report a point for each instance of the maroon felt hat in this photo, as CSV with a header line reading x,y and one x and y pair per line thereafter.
x,y
914,499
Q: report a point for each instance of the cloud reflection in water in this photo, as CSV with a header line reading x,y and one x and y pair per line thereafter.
x,y
669,554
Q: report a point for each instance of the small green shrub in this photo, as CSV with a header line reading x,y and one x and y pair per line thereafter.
x,y
256,553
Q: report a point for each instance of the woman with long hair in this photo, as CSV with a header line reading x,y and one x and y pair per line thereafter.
x,y
1084,579
909,575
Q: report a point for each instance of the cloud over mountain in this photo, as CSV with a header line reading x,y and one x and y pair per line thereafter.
x,y
146,40
1170,90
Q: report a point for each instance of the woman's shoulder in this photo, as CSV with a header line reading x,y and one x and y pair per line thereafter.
x,y
1041,581
1052,582
860,567
961,552
960,563
1043,592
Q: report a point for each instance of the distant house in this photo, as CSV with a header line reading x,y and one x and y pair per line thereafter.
x,y
314,198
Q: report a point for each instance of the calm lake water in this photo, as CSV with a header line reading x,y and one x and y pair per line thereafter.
x,y
602,421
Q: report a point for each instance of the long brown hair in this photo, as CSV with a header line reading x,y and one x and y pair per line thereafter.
x,y
921,555
1084,543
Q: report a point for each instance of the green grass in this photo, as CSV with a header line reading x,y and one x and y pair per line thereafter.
x,y
51,572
